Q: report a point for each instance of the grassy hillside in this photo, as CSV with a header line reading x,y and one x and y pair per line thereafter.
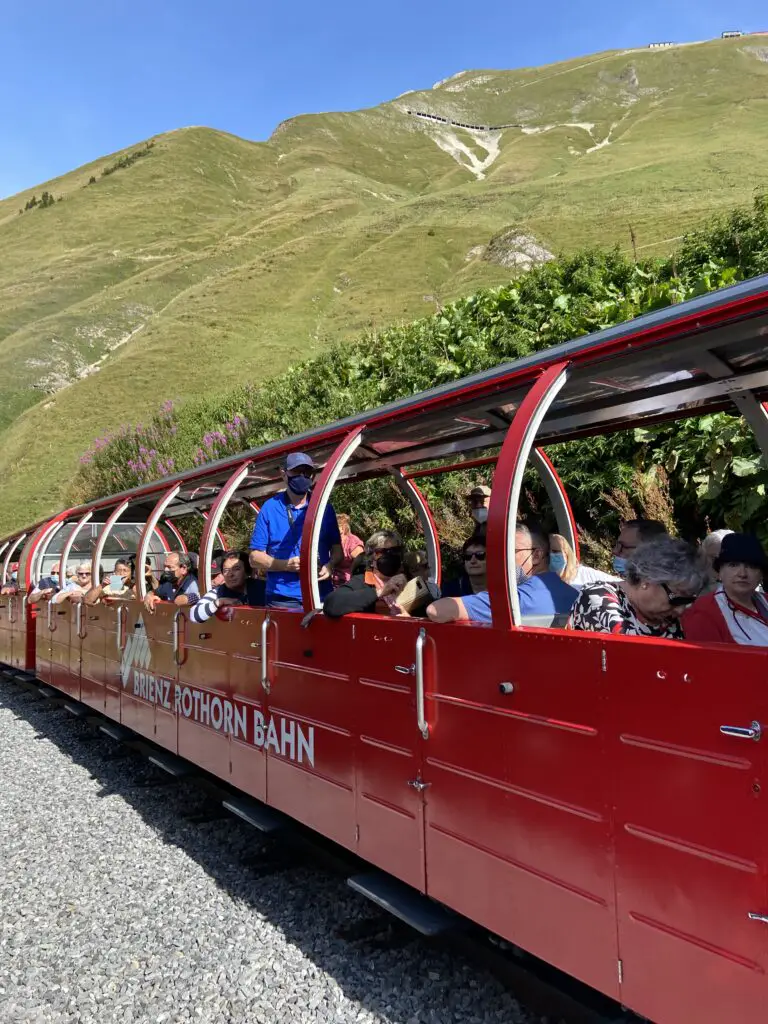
x,y
210,260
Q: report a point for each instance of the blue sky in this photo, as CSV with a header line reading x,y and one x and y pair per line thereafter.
x,y
81,79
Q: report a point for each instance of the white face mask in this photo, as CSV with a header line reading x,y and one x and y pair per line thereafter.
x,y
480,515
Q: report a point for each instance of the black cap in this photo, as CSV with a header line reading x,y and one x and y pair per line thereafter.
x,y
741,547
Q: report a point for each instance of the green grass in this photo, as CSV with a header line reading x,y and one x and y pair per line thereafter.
x,y
230,259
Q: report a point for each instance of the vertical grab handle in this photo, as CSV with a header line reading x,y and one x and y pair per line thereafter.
x,y
178,653
120,635
79,620
24,608
49,616
264,657
421,716
11,608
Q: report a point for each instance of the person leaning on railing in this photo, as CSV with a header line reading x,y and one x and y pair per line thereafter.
x,y
76,588
239,588
177,582
377,579
662,578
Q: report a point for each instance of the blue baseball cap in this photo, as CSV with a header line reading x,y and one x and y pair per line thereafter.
x,y
297,459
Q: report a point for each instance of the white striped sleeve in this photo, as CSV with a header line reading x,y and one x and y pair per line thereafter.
x,y
203,609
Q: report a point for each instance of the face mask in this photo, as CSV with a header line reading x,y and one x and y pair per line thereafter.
x,y
389,563
166,576
521,574
619,565
557,562
300,484
480,515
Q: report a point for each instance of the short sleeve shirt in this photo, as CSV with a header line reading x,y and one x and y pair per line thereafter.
x,y
277,532
542,595
605,608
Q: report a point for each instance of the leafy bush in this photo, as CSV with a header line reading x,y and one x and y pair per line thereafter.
x,y
697,472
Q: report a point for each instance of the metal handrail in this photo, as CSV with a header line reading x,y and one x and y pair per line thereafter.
x,y
264,658
421,716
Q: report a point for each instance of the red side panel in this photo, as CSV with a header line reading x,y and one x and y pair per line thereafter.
x,y
518,809
93,655
388,757
148,674
691,821
6,627
62,624
115,641
43,637
309,741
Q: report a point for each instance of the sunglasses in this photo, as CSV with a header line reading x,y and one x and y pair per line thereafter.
x,y
677,600
82,574
478,555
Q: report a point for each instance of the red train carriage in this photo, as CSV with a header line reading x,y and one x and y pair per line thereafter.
x,y
574,793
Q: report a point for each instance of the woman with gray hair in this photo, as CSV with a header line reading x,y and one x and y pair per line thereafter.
x,y
376,582
663,578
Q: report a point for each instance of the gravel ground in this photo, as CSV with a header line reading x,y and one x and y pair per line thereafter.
x,y
115,908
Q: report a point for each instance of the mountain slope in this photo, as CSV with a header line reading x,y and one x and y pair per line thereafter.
x,y
210,259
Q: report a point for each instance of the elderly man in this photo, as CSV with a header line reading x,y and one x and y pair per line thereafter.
x,y
542,595
177,583
46,586
76,588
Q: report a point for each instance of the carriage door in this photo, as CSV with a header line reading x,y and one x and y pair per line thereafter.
x,y
689,730
389,663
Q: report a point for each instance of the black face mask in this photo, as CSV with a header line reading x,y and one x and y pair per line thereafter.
x,y
389,562
166,576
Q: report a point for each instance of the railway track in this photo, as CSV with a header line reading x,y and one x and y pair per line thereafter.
x,y
198,804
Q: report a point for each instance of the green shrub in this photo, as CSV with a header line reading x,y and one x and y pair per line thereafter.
x,y
690,461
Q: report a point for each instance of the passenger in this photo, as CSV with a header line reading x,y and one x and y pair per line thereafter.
x,y
117,584
632,533
473,576
562,560
416,563
663,578
75,589
543,596
479,499
735,613
276,537
217,576
46,586
177,583
351,548
377,581
238,588
710,549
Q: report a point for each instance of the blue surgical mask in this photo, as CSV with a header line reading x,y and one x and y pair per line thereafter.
x,y
619,565
557,561
300,484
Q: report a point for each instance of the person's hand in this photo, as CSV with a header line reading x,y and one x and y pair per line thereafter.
x,y
324,572
77,596
47,592
292,564
399,613
150,601
226,602
393,585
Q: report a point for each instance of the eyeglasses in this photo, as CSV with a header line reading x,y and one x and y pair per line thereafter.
x,y
474,556
677,600
82,574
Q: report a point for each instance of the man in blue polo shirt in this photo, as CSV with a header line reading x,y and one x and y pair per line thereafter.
x,y
543,596
276,538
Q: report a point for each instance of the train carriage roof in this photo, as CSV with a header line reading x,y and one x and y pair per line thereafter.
x,y
682,360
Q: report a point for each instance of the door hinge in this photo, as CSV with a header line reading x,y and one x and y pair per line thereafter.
x,y
603,663
620,965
